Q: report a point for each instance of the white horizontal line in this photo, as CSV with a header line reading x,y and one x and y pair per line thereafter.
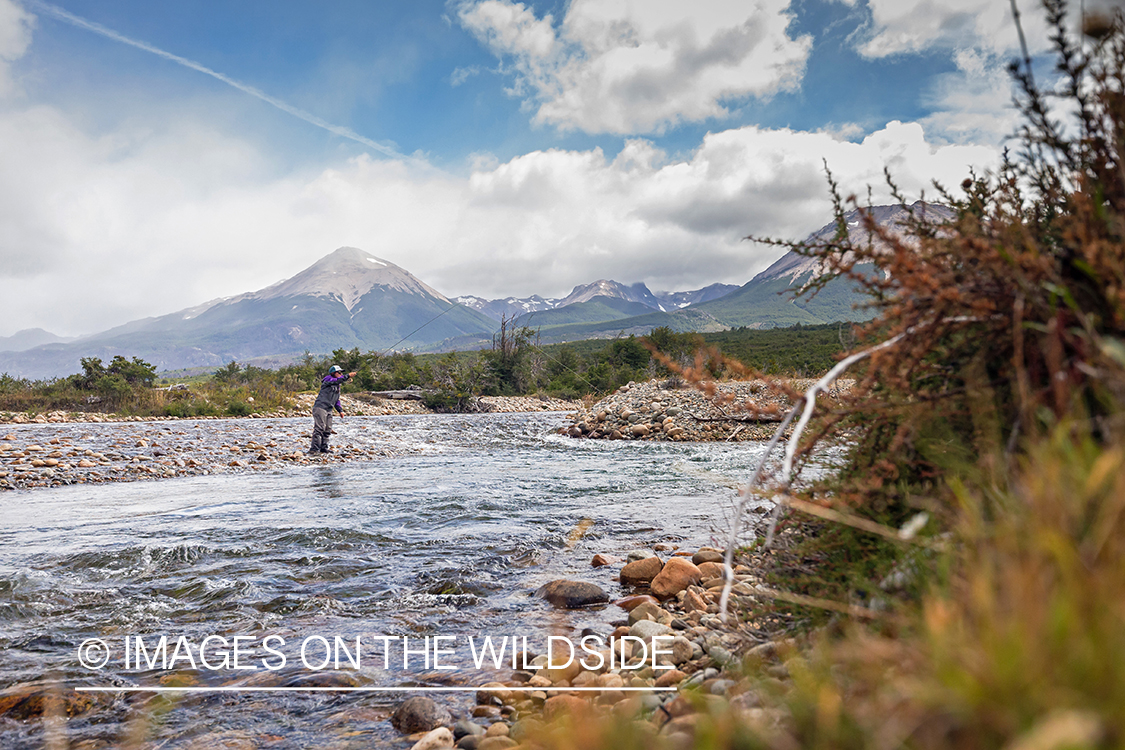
x,y
230,689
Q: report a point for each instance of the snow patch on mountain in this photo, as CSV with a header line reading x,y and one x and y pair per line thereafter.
x,y
893,218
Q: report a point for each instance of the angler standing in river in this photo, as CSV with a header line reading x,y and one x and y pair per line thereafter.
x,y
327,400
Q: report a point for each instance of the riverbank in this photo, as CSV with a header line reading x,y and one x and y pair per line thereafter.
x,y
133,449
357,405
701,670
660,410
137,451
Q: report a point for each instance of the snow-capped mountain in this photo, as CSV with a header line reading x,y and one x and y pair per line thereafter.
x,y
509,307
512,307
768,299
349,298
613,290
679,300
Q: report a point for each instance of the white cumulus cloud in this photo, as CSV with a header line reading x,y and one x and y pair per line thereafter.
x,y
973,104
915,25
615,66
148,219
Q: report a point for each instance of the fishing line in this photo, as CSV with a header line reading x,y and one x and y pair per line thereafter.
x,y
419,328
572,371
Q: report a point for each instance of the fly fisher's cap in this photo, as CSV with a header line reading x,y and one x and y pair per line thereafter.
x,y
335,369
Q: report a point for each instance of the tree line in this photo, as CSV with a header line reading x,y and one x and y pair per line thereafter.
x,y
516,364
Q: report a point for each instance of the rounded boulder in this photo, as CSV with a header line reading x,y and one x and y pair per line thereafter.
x,y
677,574
641,572
572,594
419,714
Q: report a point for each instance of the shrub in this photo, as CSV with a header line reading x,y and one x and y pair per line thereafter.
x,y
992,381
239,408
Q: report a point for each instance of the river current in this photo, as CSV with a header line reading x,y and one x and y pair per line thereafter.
x,y
450,539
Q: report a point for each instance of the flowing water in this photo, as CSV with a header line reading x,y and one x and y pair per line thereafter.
x,y
452,539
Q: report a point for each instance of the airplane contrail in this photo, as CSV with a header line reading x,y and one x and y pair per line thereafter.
x,y
82,23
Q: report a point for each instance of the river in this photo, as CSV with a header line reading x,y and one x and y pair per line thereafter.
x,y
453,537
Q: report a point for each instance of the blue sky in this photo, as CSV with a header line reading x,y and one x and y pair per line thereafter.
x,y
532,146
387,71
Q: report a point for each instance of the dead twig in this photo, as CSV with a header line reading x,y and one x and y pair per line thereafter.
x,y
856,522
807,402
811,601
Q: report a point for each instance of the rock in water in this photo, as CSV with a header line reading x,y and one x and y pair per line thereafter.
x,y
572,594
435,739
677,575
419,714
29,700
641,572
466,727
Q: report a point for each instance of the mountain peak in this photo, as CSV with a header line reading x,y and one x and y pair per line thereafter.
x,y
893,217
346,274
28,338
609,288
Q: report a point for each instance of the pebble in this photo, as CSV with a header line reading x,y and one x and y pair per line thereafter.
x,y
650,610
707,556
646,629
710,570
600,561
630,603
499,729
464,727
671,677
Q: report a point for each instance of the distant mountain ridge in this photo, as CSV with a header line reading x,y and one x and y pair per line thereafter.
x,y
680,300
349,298
768,300
610,289
509,307
28,338
353,299
639,293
